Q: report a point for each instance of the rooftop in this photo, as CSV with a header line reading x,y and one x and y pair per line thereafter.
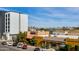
x,y
55,39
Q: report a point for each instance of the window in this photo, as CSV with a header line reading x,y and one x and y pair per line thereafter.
x,y
6,16
6,27
9,15
8,30
8,23
32,33
6,19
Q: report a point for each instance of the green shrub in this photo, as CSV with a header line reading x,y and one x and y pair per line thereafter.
x,y
32,42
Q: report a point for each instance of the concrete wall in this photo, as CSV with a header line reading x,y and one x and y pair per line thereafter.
x,y
23,22
66,36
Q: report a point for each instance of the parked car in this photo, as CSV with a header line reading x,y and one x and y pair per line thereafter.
x,y
14,44
9,43
19,45
62,45
37,49
24,46
4,43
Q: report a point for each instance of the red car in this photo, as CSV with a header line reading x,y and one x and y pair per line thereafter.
x,y
24,47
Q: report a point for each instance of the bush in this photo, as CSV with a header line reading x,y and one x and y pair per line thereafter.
x,y
76,48
66,48
32,42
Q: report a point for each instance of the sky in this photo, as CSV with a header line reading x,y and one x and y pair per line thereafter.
x,y
49,16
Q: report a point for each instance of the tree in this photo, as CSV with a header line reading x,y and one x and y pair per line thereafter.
x,y
66,47
76,48
21,37
32,41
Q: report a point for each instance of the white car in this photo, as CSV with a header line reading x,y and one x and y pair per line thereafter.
x,y
19,45
9,43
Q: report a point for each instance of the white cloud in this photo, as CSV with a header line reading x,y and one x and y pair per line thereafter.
x,y
66,19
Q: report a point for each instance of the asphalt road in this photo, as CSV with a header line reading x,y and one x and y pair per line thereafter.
x,y
11,48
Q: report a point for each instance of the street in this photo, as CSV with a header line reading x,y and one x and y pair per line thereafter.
x,y
11,48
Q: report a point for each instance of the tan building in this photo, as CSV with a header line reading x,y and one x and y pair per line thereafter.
x,y
43,33
38,33
31,34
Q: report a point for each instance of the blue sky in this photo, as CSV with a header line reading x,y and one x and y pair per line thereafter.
x,y
49,16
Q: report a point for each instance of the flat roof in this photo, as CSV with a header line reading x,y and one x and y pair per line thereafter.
x,y
12,11
55,39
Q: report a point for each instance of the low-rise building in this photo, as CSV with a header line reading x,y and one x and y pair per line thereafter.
x,y
43,33
38,33
31,34
66,36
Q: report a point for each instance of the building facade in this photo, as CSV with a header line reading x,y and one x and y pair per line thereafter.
x,y
38,33
11,23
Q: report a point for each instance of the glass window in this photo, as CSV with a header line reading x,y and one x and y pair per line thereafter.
x,y
6,23
8,30
6,27
9,15
32,32
6,19
6,16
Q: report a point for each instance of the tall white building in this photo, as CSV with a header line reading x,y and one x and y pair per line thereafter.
x,y
11,23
